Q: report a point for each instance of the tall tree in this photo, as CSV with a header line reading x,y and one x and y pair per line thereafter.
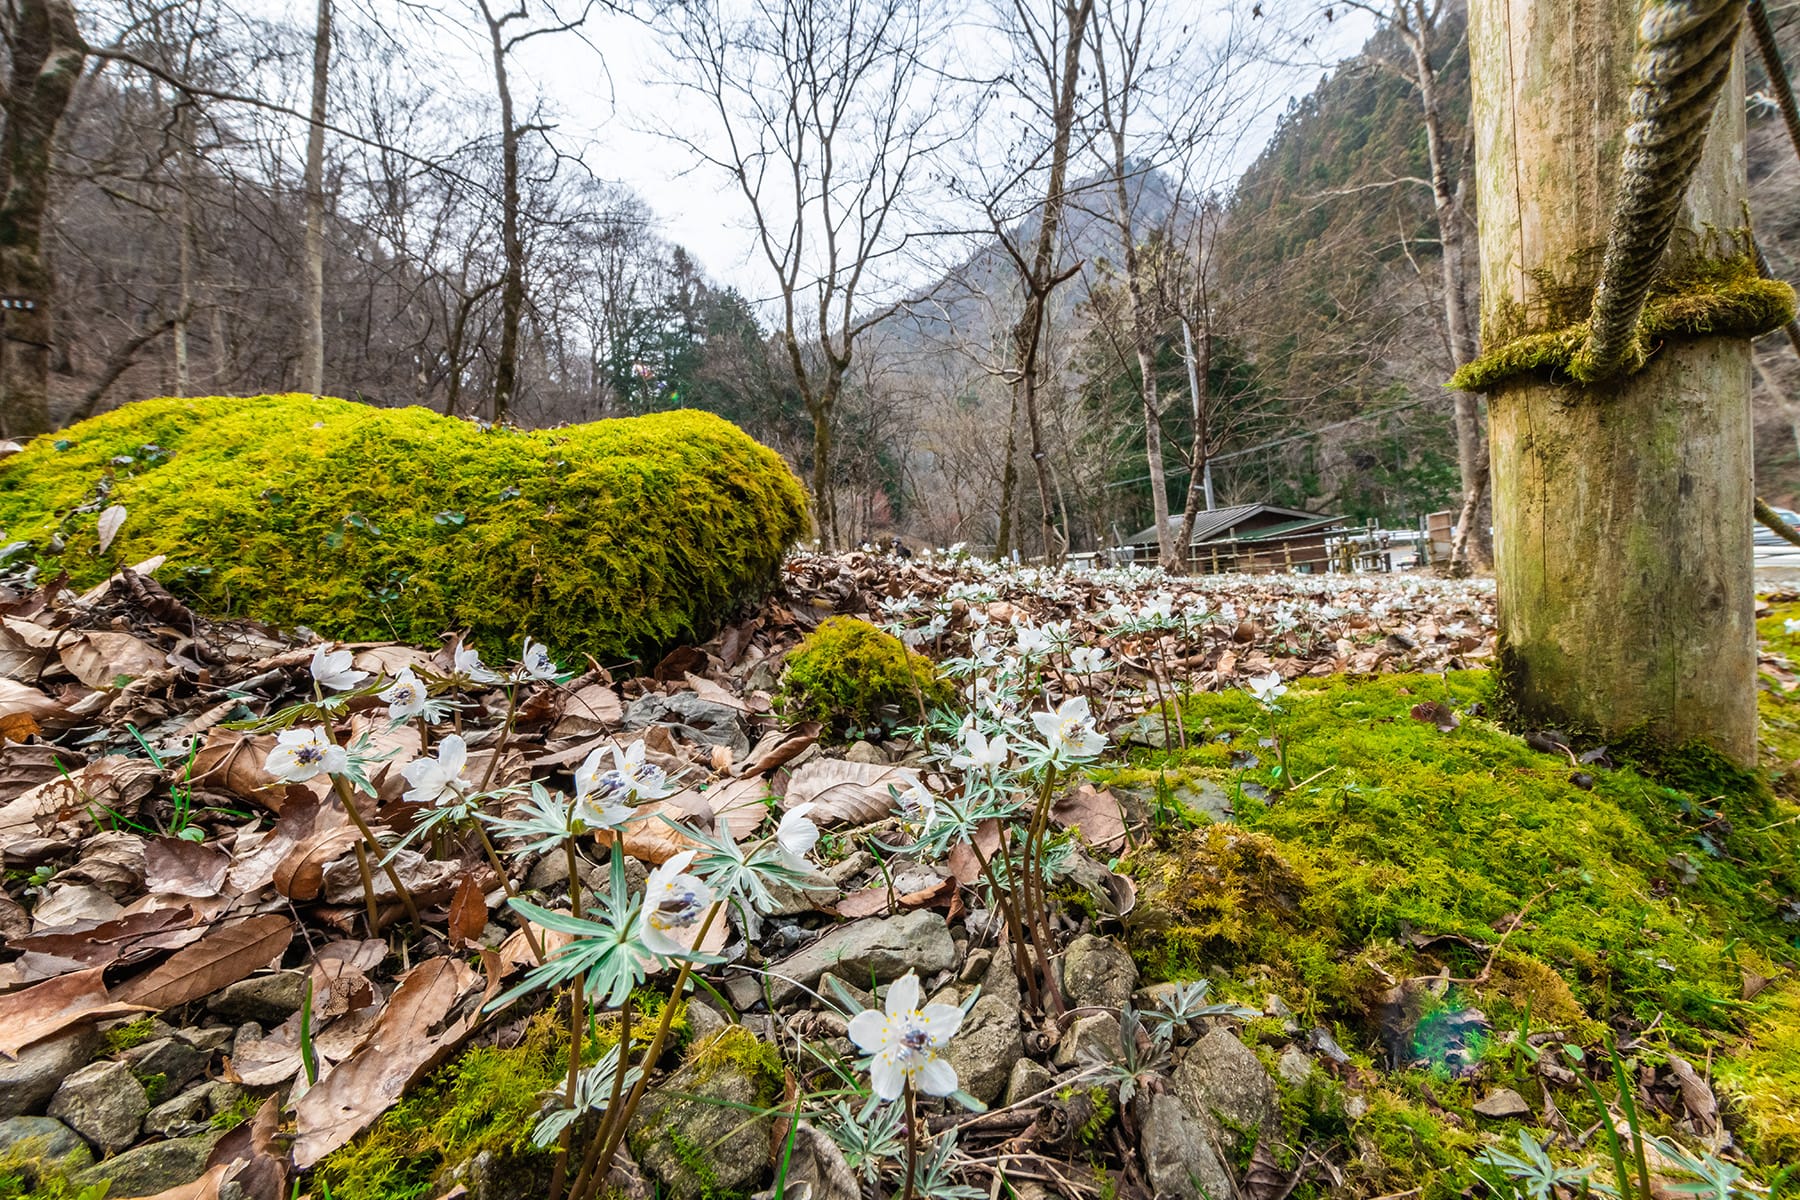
x,y
44,54
822,115
312,350
1622,506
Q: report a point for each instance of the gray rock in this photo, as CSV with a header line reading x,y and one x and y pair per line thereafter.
x,y
193,1110
104,1103
692,719
1294,1066
703,1020
990,1040
1225,1085
975,966
1097,972
265,999
176,1059
44,1140
835,988
1502,1103
151,1168
32,1078
1029,1077
1179,1158
695,1131
865,752
1093,1038
851,867
246,1034
882,949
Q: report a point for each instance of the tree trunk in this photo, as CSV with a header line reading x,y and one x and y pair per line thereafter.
x,y
312,351
47,53
1623,552
512,283
824,500
1199,370
1009,482
1472,547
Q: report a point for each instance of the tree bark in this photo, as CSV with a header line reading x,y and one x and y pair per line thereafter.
x,y
312,351
1623,548
47,52
1199,371
512,281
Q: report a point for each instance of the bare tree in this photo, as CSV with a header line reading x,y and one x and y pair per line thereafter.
x,y
312,352
823,116
44,53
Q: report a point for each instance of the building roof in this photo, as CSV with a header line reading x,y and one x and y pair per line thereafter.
x,y
1217,525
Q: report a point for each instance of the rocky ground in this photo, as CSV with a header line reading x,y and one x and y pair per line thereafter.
x,y
193,1001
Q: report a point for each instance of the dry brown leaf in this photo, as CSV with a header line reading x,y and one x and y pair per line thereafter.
x,y
872,901
256,856
468,913
64,904
177,868
50,1007
114,782
399,1050
108,659
846,793
225,955
739,805
111,518
234,761
1096,814
95,944
778,749
301,875
23,767
712,693
593,709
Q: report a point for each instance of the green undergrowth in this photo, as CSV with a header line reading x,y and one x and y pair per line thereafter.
x,y
1715,297
1401,852
484,1103
854,678
615,538
26,1174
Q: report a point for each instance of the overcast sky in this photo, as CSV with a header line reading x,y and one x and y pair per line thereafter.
x,y
603,87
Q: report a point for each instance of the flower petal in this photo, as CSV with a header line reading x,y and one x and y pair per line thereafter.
x,y
889,1078
936,1077
868,1030
903,995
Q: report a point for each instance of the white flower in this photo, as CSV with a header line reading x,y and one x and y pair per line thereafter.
x,y
406,697
535,662
904,1041
332,671
468,665
917,805
980,753
436,778
1158,609
674,905
1088,660
300,754
631,778
1791,625
1031,642
1069,732
1266,688
796,834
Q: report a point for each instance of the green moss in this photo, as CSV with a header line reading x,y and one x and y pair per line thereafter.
x,y
851,676
486,1101
1403,1146
236,1113
1101,1115
156,1087
1418,850
1721,297
124,1037
26,1174
756,1059
614,539
1761,1080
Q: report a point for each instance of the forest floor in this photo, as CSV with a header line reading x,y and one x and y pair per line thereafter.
x,y
1316,922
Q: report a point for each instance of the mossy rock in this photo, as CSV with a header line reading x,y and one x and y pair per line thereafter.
x,y
704,1131
616,539
852,677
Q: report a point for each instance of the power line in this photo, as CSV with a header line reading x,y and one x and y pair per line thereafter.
x,y
1178,472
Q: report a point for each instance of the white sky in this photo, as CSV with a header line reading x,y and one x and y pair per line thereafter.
x,y
602,87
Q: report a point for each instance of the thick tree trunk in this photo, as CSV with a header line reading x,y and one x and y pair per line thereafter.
x,y
1623,548
1199,373
512,281
312,350
47,53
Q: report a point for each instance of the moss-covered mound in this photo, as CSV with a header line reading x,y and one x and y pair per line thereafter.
x,y
612,539
1413,876
854,678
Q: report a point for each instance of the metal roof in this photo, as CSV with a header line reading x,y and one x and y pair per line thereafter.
x,y
1216,525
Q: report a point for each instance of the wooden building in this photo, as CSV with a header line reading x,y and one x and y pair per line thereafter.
x,y
1251,538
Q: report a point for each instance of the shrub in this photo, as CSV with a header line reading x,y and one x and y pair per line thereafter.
x,y
616,538
851,676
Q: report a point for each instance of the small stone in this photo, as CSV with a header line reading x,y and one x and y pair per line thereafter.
x,y
852,866
975,966
1502,1103
1224,1084
704,1131
1274,1006
835,988
148,1169
44,1140
265,999
989,1041
185,1114
865,752
1029,1078
1097,972
1294,1066
703,1020
176,1059
32,1078
879,949
1356,1108
104,1103
1093,1038
246,1034
1178,1155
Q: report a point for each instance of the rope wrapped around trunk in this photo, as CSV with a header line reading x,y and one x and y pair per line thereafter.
x,y
1684,56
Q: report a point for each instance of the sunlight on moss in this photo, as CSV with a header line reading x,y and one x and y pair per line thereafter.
x,y
853,677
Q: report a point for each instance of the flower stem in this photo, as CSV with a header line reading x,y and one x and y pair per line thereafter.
x,y
493,857
912,1142
512,714
368,882
585,1183
349,801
